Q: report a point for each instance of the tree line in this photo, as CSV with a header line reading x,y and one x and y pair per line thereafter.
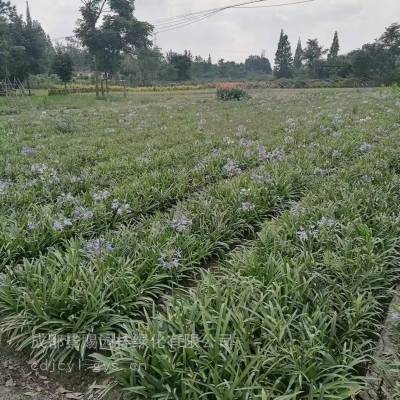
x,y
378,61
25,48
109,40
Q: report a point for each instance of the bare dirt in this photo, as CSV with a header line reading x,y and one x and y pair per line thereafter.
x,y
23,379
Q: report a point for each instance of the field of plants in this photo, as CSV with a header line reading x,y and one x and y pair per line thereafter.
x,y
192,248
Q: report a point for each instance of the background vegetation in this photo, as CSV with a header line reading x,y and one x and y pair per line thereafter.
x,y
26,51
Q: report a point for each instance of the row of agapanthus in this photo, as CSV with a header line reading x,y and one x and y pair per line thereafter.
x,y
28,232
111,279
36,172
103,159
94,286
294,317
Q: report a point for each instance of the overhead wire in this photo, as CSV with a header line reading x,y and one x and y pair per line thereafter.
x,y
183,20
180,21
277,5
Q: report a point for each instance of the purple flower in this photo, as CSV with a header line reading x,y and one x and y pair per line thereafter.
x,y
232,168
66,199
75,179
181,223
32,226
247,206
120,208
83,214
246,143
302,234
258,179
60,225
305,234
38,169
171,261
101,196
326,222
366,178
98,248
262,153
291,125
276,155
27,151
297,208
365,148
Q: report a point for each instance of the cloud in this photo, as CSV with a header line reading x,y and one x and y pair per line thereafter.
x,y
234,34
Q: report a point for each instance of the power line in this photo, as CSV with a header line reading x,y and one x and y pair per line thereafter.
x,y
191,18
197,13
177,17
186,23
277,5
180,21
184,20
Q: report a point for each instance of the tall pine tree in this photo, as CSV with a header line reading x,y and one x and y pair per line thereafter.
x,y
283,57
334,51
298,56
28,16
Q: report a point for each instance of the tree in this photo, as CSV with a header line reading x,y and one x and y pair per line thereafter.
x,y
200,67
375,62
28,16
150,65
79,55
334,50
5,13
259,64
298,56
283,57
39,49
24,46
313,52
6,9
391,39
63,66
182,64
313,55
108,29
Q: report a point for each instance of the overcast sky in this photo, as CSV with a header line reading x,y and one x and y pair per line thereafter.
x,y
234,34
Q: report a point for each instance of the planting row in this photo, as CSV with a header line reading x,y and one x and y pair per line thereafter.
x,y
96,286
88,209
294,317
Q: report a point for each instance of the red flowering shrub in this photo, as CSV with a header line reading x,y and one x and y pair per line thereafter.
x,y
230,91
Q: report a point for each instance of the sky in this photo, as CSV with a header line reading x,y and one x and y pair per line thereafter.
x,y
235,34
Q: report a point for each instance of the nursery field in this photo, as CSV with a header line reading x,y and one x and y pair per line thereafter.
x,y
192,248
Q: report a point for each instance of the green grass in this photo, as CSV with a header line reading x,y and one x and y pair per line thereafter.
x,y
278,213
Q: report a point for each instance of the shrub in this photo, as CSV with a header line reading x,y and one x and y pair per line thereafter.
x,y
65,125
231,91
